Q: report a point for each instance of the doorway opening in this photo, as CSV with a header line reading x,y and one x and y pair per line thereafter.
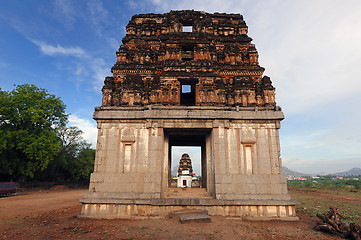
x,y
193,169
193,143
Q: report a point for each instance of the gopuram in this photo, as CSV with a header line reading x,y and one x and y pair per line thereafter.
x,y
185,171
188,78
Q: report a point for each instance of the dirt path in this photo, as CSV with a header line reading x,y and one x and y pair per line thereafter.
x,y
52,214
38,202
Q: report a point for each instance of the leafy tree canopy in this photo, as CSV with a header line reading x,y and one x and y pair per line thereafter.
x,y
28,141
75,161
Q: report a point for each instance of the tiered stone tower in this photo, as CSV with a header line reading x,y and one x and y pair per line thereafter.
x,y
188,78
185,164
185,171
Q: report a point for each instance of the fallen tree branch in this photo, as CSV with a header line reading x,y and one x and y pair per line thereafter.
x,y
332,223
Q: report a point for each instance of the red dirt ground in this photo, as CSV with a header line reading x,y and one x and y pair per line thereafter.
x,y
51,214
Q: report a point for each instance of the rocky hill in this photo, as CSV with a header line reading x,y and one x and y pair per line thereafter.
x,y
351,172
288,172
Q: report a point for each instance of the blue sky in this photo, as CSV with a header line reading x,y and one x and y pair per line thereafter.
x,y
310,49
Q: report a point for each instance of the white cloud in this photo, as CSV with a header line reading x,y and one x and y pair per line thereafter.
x,y
98,16
94,69
89,128
85,67
60,50
133,5
115,43
307,146
100,70
65,12
315,61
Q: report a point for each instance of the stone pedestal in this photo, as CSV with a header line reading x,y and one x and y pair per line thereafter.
x,y
184,181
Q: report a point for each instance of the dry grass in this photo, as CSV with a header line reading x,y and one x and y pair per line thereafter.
x,y
312,201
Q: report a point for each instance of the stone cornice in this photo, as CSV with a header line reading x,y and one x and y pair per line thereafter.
x,y
208,113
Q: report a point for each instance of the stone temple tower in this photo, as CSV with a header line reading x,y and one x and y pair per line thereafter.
x,y
188,78
185,164
185,171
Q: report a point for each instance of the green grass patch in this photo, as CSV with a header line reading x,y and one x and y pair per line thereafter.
x,y
318,197
327,184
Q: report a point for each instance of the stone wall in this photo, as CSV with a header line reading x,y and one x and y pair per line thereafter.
x,y
242,155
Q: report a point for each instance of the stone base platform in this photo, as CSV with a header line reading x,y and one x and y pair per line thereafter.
x,y
158,208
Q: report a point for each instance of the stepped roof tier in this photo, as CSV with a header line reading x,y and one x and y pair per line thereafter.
x,y
185,164
189,58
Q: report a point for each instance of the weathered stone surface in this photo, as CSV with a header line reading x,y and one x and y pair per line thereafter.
x,y
202,88
108,113
130,210
216,60
188,212
199,218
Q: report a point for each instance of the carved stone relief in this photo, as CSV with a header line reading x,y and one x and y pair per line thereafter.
x,y
128,135
248,136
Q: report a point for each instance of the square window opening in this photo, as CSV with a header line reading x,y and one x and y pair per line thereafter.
x,y
187,52
186,88
187,29
188,95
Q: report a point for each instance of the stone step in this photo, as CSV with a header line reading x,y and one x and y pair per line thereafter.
x,y
198,218
190,190
186,212
188,196
188,193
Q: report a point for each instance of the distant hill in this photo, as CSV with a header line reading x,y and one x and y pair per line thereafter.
x,y
288,172
351,172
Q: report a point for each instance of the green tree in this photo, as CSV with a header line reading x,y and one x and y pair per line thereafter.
x,y
77,153
84,164
75,161
28,141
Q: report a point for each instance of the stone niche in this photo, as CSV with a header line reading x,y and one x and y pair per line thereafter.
x,y
200,88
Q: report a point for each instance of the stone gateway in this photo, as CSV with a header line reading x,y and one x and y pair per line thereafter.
x,y
188,78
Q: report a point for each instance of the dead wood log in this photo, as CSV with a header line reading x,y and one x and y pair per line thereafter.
x,y
332,223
